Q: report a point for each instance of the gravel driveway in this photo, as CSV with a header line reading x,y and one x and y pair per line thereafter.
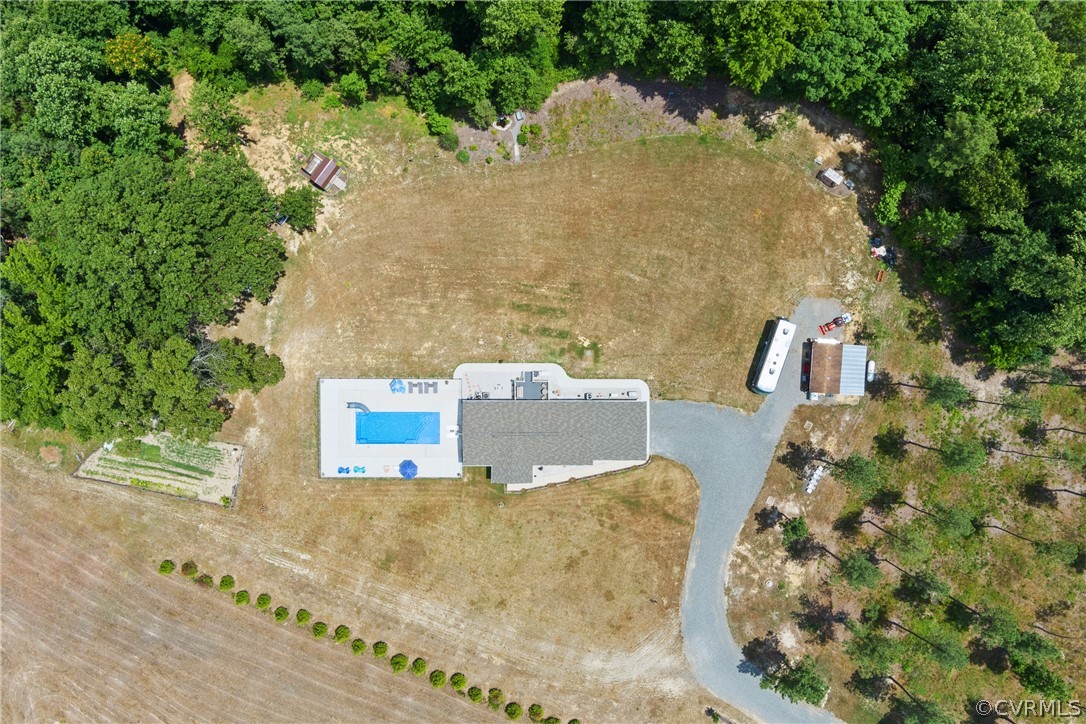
x,y
729,453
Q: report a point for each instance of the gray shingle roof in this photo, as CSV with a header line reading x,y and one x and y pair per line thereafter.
x,y
510,436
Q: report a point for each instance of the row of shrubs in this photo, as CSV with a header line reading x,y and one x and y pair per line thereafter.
x,y
494,698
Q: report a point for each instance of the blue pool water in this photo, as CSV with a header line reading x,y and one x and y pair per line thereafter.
x,y
397,428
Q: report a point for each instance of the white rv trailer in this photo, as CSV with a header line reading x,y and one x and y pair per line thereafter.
x,y
773,357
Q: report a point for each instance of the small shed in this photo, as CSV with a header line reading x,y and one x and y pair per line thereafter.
x,y
324,172
837,369
830,177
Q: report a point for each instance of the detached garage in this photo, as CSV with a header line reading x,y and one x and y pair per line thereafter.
x,y
837,369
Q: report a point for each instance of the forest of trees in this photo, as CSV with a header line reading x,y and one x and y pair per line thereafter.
x,y
123,244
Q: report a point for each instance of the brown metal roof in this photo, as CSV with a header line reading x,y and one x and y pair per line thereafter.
x,y
825,368
322,172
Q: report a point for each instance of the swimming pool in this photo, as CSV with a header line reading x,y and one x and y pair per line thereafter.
x,y
397,428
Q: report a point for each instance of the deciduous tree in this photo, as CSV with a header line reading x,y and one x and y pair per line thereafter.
x,y
946,391
858,60
300,204
994,61
963,455
679,51
861,474
615,31
757,39
217,122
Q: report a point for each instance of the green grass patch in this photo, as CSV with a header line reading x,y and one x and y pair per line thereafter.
x,y
538,309
310,123
160,487
191,468
150,453
124,464
202,457
544,331
672,518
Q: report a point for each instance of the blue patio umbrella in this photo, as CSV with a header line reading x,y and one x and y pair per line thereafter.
x,y
409,469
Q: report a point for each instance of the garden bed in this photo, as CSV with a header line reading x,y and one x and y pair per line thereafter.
x,y
165,464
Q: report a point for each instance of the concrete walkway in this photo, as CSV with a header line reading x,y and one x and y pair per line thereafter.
x,y
514,129
729,453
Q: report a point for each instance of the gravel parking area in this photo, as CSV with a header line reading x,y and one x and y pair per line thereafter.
x,y
729,453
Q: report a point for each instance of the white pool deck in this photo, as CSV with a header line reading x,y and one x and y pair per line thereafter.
x,y
342,457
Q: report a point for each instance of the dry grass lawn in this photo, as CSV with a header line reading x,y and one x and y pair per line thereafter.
x,y
659,260
668,257
568,597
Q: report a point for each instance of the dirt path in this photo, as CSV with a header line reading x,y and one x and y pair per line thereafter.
x,y
183,85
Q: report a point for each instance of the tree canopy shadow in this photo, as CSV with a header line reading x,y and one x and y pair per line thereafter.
x,y
763,655
925,324
973,713
767,518
798,456
875,688
804,550
995,659
883,388
886,500
959,615
890,442
817,618
849,523
1038,494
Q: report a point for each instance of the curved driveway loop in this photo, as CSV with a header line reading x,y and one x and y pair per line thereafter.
x,y
729,453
